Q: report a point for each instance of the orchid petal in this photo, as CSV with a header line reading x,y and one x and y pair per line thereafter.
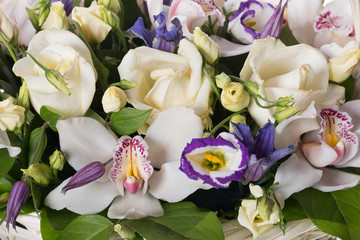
x,y
319,154
333,180
91,198
79,144
290,130
294,175
301,15
162,183
228,49
135,206
352,108
169,133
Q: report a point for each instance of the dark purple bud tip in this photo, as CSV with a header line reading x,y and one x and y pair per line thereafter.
x,y
85,175
254,172
18,195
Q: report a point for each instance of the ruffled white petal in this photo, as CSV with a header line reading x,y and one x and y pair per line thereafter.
x,y
168,135
91,198
294,175
172,185
135,206
84,140
333,180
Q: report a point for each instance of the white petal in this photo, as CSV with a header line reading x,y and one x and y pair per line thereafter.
x,y
319,154
294,175
228,49
172,185
333,180
335,95
5,143
91,198
84,140
352,108
168,135
135,206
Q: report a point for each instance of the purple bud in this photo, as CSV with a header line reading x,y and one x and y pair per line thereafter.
x,y
254,172
85,175
273,26
18,195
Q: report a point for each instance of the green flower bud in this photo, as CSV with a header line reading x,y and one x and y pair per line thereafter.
x,y
252,88
222,80
23,98
44,12
124,232
41,173
108,17
283,113
206,134
112,5
265,206
283,101
57,160
237,118
206,46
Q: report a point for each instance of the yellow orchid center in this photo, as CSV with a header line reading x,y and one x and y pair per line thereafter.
x,y
131,160
329,137
213,161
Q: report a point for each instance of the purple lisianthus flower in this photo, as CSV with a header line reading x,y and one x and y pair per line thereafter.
x,y
161,38
216,161
18,195
261,151
68,5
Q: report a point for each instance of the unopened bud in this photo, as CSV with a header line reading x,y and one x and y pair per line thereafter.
x,y
108,17
41,173
112,5
124,232
7,28
56,18
283,101
254,172
57,160
222,80
283,113
206,46
114,99
265,206
23,98
44,13
237,118
234,97
252,88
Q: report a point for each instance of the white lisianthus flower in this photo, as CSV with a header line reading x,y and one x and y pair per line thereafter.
x,y
165,79
56,18
299,71
11,116
91,23
234,97
65,52
250,217
130,185
113,99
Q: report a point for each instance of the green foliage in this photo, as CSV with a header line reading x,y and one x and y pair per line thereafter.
x,y
6,183
6,162
128,120
35,138
49,116
180,221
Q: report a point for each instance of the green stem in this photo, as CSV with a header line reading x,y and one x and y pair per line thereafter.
x,y
212,82
8,47
38,146
221,124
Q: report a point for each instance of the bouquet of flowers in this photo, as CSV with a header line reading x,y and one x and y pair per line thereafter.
x,y
169,119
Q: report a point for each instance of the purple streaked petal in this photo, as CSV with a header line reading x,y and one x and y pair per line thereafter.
x,y
273,26
264,141
161,20
18,195
245,5
162,44
255,169
243,133
139,30
249,30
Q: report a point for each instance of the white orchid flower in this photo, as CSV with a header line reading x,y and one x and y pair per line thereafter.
x,y
130,185
331,139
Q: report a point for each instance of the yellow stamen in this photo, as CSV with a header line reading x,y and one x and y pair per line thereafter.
x,y
250,24
131,159
329,137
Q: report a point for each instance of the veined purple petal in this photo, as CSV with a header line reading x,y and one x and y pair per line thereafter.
x,y
68,5
162,44
139,30
161,20
245,6
273,26
264,141
18,195
243,133
85,175
279,154
254,171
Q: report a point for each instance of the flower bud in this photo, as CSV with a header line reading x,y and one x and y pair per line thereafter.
x,y
41,173
112,5
114,99
11,116
222,80
283,101
234,97
124,232
57,80
237,118
206,46
7,28
341,67
56,18
57,160
283,113
23,98
108,17
265,206
85,175
252,88
43,14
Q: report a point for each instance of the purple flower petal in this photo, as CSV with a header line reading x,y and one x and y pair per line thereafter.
x,y
243,133
139,30
264,141
273,26
18,195
68,5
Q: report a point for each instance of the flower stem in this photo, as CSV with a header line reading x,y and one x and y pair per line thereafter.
x,y
38,146
212,82
8,47
221,124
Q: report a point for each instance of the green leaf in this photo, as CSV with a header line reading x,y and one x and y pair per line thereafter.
x,y
34,18
47,231
50,117
60,219
293,211
88,227
6,183
336,213
128,120
33,144
180,221
6,162
36,194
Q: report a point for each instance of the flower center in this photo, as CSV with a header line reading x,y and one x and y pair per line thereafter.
x,y
327,20
213,161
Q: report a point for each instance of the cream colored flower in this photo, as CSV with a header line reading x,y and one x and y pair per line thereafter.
x,y
234,97
91,23
11,116
56,18
7,28
206,46
341,66
114,99
250,217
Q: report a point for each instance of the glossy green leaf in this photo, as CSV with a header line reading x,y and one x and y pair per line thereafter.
x,y
6,183
36,194
49,116
47,231
88,227
6,162
336,213
128,120
35,139
180,221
